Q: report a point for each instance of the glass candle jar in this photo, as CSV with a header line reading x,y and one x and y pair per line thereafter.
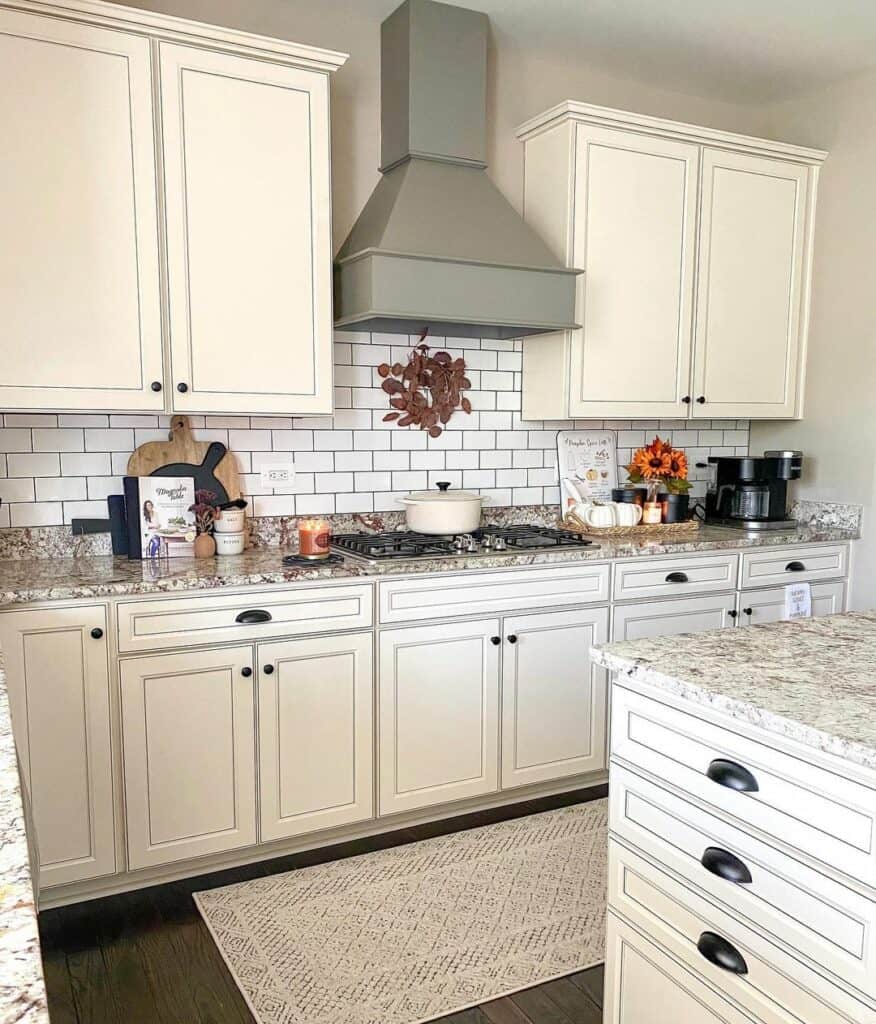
x,y
652,513
314,538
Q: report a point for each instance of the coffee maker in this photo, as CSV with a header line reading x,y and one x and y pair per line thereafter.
x,y
751,492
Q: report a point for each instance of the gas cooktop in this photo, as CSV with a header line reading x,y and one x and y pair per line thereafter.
x,y
488,540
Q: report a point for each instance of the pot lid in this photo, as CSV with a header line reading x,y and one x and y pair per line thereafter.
x,y
442,494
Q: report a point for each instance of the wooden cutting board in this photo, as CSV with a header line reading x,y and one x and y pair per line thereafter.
x,y
210,463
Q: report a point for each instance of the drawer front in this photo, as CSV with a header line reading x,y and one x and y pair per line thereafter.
x,y
479,593
220,618
816,916
775,986
665,618
804,806
774,566
761,606
674,577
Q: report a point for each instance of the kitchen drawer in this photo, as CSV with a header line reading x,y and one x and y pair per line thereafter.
x,y
802,805
816,916
774,986
470,594
215,618
760,606
674,577
645,985
769,567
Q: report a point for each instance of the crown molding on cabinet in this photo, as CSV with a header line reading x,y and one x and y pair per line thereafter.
x,y
180,30
572,110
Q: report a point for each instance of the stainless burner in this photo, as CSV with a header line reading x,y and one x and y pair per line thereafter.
x,y
404,544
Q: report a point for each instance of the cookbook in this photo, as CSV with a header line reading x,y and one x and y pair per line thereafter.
x,y
160,522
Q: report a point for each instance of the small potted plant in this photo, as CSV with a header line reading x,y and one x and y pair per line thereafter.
x,y
663,469
206,513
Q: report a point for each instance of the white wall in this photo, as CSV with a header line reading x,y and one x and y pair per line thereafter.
x,y
838,431
522,82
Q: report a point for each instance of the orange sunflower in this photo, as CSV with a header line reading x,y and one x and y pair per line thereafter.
x,y
653,462
677,464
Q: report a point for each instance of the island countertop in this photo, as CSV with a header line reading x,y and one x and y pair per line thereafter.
x,y
810,680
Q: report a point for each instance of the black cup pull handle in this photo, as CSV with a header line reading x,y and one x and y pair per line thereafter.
x,y
732,776
253,615
795,567
725,865
677,577
721,953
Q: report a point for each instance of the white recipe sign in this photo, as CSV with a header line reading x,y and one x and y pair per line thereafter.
x,y
587,462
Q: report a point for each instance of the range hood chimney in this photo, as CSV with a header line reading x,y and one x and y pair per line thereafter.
x,y
437,245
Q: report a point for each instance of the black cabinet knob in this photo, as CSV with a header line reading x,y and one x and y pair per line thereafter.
x,y
246,671
512,639
733,613
268,669
677,577
252,616
725,865
721,953
495,640
156,385
701,400
732,776
97,633
182,388
748,611
686,399
795,567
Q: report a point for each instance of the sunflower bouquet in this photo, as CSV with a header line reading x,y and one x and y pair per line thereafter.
x,y
659,465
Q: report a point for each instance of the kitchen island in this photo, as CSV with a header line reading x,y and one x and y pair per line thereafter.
x,y
742,866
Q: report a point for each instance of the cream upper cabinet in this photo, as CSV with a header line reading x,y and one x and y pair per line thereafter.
x,y
695,247
59,695
81,321
165,215
246,163
753,239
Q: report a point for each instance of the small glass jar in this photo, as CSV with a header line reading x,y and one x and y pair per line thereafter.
x,y
652,513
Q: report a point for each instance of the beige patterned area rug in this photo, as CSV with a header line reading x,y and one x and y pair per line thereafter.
x,y
406,935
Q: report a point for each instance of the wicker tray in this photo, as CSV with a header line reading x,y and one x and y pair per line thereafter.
x,y
655,530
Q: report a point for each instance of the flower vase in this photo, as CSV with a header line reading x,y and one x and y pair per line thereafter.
x,y
205,545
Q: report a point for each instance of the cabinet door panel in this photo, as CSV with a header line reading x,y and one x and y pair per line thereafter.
x,y
750,285
187,723
315,734
666,618
249,249
553,698
58,682
79,288
634,236
439,714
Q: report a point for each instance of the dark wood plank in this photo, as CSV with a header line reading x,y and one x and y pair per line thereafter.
x,y
540,1008
472,1016
59,992
592,982
573,1001
122,922
504,1011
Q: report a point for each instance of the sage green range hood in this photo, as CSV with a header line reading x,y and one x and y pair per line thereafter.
x,y
437,245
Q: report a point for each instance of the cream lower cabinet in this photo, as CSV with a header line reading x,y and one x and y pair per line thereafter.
x,y
316,749
438,719
188,731
58,683
553,698
663,618
758,606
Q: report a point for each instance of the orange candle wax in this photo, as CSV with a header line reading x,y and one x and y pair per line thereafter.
x,y
314,538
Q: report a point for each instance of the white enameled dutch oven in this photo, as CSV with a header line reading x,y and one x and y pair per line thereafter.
x,y
443,511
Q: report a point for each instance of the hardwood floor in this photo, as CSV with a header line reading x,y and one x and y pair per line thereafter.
x,y
147,958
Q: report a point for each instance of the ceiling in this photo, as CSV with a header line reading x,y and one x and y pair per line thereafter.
x,y
740,51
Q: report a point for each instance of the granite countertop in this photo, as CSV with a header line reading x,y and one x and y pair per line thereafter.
x,y
22,989
46,579
810,680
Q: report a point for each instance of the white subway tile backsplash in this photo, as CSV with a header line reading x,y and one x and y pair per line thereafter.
x,y
63,466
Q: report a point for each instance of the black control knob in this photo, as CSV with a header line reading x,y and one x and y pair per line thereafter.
x,y
268,669
97,633
156,385
182,388
246,671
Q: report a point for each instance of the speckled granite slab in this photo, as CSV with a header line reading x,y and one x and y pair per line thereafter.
x,y
811,680
22,989
47,579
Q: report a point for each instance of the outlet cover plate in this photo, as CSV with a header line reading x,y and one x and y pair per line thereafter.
x,y
279,474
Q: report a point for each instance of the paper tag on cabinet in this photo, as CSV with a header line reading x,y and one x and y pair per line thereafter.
x,y
798,601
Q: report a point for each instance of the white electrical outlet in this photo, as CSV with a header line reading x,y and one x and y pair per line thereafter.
x,y
280,474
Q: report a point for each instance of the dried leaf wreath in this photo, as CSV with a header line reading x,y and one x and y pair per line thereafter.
x,y
426,392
